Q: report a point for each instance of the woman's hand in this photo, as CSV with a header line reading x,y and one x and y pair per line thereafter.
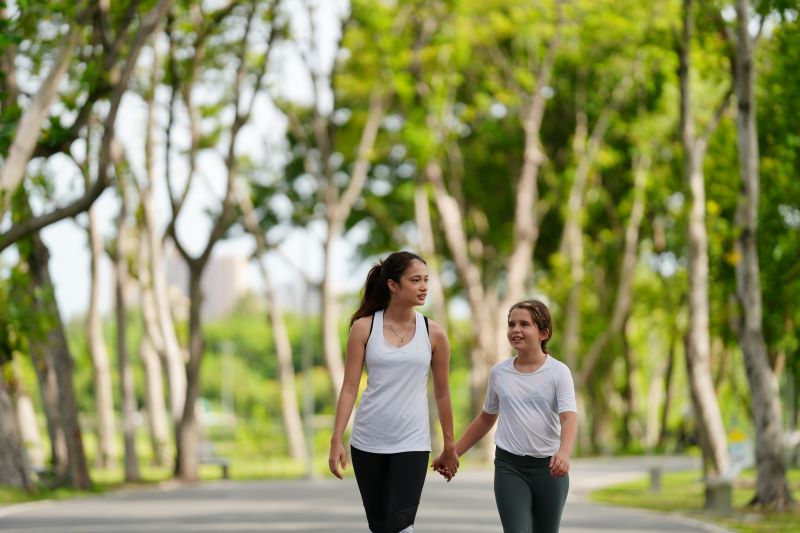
x,y
559,464
447,463
337,457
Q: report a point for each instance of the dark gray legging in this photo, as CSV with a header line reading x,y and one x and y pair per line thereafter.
x,y
528,498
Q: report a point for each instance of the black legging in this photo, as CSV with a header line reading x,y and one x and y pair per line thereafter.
x,y
390,486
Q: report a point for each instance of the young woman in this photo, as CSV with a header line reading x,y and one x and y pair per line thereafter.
x,y
534,397
390,442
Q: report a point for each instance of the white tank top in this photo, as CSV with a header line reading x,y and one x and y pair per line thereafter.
x,y
393,414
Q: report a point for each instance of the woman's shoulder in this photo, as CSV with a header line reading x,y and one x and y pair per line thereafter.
x,y
362,326
435,330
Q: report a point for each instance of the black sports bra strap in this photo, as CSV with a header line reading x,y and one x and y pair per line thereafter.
x,y
371,323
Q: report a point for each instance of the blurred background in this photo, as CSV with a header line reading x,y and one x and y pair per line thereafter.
x,y
193,191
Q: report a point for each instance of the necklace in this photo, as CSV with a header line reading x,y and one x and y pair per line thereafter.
x,y
403,336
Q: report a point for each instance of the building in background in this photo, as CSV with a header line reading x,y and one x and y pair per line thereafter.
x,y
224,283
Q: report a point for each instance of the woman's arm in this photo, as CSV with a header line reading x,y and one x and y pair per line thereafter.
x,y
440,366
354,363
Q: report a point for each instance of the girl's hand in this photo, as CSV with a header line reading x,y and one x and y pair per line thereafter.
x,y
337,457
559,464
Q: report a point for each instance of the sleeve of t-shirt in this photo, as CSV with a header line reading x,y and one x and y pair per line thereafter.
x,y
492,403
565,391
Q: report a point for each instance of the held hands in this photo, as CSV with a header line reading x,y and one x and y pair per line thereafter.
x,y
337,457
447,463
559,464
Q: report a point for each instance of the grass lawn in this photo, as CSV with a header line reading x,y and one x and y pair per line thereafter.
x,y
682,492
241,468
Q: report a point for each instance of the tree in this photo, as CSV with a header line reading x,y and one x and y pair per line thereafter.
x,y
105,418
115,61
14,467
121,257
337,162
491,291
709,420
50,346
772,489
212,46
293,424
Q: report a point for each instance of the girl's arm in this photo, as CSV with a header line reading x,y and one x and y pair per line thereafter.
x,y
559,463
477,429
440,366
354,363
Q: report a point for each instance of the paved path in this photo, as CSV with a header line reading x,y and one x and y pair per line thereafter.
x,y
332,506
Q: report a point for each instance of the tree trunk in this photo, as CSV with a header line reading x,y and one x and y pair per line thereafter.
x,y
162,327
55,345
331,343
483,314
772,489
338,207
189,427
14,467
152,352
427,248
585,148
629,394
171,352
48,387
28,428
293,424
623,299
127,387
290,409
662,435
698,346
104,400
157,419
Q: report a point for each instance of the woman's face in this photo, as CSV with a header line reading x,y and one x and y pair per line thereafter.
x,y
523,333
413,287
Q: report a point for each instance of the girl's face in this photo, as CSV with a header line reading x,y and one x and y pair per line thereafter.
x,y
523,333
413,287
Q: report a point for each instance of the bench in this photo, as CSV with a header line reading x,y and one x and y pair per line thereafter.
x,y
206,455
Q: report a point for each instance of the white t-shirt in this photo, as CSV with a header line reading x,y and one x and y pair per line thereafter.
x,y
393,414
529,405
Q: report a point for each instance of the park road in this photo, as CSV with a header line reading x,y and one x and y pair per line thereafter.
x,y
332,506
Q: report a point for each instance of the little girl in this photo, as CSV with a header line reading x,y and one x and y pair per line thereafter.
x,y
534,397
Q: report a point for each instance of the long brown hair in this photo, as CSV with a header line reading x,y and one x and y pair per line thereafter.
x,y
375,295
540,315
